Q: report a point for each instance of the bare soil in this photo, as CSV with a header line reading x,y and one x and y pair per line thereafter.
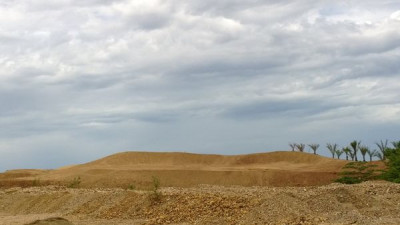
x,y
268,188
366,203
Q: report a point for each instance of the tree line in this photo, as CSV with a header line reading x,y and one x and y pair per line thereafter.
x,y
353,150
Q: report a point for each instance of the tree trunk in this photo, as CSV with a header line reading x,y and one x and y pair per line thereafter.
x,y
364,158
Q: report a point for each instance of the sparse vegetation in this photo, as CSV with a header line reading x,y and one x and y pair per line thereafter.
x,y
300,147
347,151
382,146
332,148
131,187
363,149
339,152
357,172
155,195
355,145
371,153
293,146
393,163
36,182
75,182
314,147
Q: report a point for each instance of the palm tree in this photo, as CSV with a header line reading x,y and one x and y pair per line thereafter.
x,y
396,144
364,150
383,146
355,145
339,153
379,155
300,147
346,151
351,155
293,146
371,154
314,147
332,149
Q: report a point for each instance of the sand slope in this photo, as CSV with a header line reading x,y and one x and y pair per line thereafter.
x,y
186,169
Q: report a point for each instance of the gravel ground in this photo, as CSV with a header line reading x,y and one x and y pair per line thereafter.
x,y
366,203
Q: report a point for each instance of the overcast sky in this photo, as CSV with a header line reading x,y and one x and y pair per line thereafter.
x,y
81,80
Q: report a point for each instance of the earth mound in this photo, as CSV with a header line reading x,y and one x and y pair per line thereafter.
x,y
177,169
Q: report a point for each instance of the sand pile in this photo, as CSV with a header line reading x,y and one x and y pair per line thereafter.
x,y
188,170
366,203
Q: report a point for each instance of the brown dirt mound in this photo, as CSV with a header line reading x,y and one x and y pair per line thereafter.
x,y
185,169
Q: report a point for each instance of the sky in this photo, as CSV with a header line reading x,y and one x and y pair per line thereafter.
x,y
80,80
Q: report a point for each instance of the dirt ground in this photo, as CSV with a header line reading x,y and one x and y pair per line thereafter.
x,y
366,203
187,170
264,188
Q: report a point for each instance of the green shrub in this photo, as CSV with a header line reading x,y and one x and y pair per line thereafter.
x,y
36,182
155,195
75,182
131,187
357,172
392,173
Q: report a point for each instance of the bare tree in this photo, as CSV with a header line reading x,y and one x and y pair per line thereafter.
x,y
339,153
355,145
314,147
293,146
300,147
371,153
364,150
346,151
382,146
332,148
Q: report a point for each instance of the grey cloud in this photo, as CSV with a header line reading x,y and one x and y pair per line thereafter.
x,y
294,108
199,76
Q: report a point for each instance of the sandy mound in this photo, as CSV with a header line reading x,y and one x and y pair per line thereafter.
x,y
186,169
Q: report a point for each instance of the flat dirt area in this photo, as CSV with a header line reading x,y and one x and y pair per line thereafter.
x,y
265,188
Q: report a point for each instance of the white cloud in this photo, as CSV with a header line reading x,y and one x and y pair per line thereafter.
x,y
128,73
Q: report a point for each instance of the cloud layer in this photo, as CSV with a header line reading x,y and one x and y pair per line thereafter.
x,y
80,80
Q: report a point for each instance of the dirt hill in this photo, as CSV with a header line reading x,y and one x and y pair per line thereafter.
x,y
185,169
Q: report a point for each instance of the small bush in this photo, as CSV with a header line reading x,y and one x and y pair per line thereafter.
x,y
36,182
131,187
392,173
75,182
155,195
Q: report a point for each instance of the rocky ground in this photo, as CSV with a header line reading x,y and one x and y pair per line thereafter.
x,y
366,203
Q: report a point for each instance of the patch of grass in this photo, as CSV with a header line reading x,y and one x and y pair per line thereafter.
x,y
131,187
357,172
36,182
75,182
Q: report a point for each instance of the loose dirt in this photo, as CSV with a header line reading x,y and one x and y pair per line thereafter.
x,y
366,203
266,188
